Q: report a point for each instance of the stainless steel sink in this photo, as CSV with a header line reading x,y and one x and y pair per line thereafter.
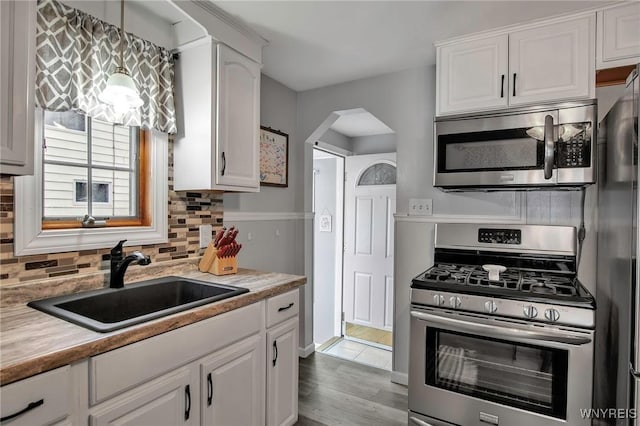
x,y
110,309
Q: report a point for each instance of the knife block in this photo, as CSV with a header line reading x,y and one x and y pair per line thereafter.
x,y
215,265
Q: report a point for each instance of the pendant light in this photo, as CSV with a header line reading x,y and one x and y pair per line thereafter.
x,y
121,92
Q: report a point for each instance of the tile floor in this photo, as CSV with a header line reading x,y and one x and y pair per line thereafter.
x,y
359,352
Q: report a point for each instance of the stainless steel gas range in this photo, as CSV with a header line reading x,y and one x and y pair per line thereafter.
x,y
501,329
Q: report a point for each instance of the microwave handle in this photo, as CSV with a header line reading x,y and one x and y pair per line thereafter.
x,y
549,147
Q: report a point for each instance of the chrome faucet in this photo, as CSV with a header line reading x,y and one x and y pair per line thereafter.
x,y
119,264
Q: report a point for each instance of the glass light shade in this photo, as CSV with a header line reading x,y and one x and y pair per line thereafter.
x,y
121,92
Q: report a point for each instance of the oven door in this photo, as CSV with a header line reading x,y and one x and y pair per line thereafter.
x,y
474,370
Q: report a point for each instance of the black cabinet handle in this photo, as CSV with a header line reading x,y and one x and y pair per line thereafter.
x,y
187,398
284,308
514,84
28,408
224,164
275,352
502,87
209,389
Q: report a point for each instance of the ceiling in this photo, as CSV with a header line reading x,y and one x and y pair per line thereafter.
x,y
359,122
320,43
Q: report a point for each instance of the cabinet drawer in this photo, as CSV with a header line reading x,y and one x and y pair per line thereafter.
x,y
281,307
124,368
48,393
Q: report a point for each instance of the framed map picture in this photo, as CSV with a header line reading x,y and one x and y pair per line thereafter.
x,y
274,157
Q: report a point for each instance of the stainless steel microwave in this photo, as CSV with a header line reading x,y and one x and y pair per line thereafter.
x,y
540,147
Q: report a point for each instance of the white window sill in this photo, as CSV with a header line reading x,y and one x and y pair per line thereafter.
x,y
30,238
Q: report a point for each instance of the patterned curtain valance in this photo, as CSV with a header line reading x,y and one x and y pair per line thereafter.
x,y
75,55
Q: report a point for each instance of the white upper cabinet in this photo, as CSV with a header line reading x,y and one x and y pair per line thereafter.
x,y
472,75
17,83
542,62
238,119
218,108
619,35
553,62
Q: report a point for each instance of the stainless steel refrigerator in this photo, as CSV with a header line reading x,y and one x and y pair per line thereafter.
x,y
617,358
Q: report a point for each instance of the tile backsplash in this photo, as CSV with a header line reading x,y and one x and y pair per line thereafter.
x,y
187,210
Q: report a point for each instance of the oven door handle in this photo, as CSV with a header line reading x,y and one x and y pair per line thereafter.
x,y
419,422
501,331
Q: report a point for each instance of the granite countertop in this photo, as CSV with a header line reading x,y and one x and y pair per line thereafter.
x,y
32,342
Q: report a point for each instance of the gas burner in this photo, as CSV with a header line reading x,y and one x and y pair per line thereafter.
x,y
539,283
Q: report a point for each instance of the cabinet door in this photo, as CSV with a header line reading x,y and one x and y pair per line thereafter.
x,y
619,35
17,73
282,374
238,120
553,62
472,75
169,400
232,385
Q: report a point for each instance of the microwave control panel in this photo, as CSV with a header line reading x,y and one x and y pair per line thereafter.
x,y
499,236
574,152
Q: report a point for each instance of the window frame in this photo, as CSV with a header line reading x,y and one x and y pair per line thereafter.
x,y
30,237
144,216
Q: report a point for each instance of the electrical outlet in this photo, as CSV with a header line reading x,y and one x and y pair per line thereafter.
x,y
420,207
205,235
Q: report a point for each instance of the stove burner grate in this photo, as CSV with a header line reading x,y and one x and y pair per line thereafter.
x,y
511,279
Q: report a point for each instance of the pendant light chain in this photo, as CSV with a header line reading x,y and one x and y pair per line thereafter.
x,y
122,34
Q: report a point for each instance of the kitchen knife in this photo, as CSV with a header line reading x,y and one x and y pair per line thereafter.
x,y
234,250
227,237
222,251
219,236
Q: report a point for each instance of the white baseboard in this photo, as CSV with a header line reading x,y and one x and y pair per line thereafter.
x,y
305,352
400,378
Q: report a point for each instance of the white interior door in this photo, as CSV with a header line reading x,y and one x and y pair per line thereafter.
x,y
370,202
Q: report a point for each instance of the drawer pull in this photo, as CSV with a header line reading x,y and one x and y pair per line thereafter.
x,y
28,408
275,352
187,397
284,308
209,390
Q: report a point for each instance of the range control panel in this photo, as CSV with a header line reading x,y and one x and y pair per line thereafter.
x,y
499,236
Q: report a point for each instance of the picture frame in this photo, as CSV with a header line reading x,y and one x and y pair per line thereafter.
x,y
274,157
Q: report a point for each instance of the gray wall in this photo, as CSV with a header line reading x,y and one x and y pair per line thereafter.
x,y
405,101
324,246
275,216
336,139
375,144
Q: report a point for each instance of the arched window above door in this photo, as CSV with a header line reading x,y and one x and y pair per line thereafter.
x,y
378,174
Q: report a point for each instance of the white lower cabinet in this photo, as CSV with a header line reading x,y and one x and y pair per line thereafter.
x,y
39,400
229,370
282,373
232,385
168,400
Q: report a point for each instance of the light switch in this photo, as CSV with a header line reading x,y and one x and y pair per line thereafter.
x,y
420,207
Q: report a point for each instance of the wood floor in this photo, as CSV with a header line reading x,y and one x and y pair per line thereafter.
x,y
369,334
333,392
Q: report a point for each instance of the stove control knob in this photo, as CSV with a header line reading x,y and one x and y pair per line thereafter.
x,y
530,311
490,306
552,315
438,300
455,302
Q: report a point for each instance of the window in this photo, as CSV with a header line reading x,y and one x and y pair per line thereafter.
x,y
63,231
92,167
378,174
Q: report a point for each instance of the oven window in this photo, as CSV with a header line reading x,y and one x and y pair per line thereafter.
x,y
533,378
510,149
